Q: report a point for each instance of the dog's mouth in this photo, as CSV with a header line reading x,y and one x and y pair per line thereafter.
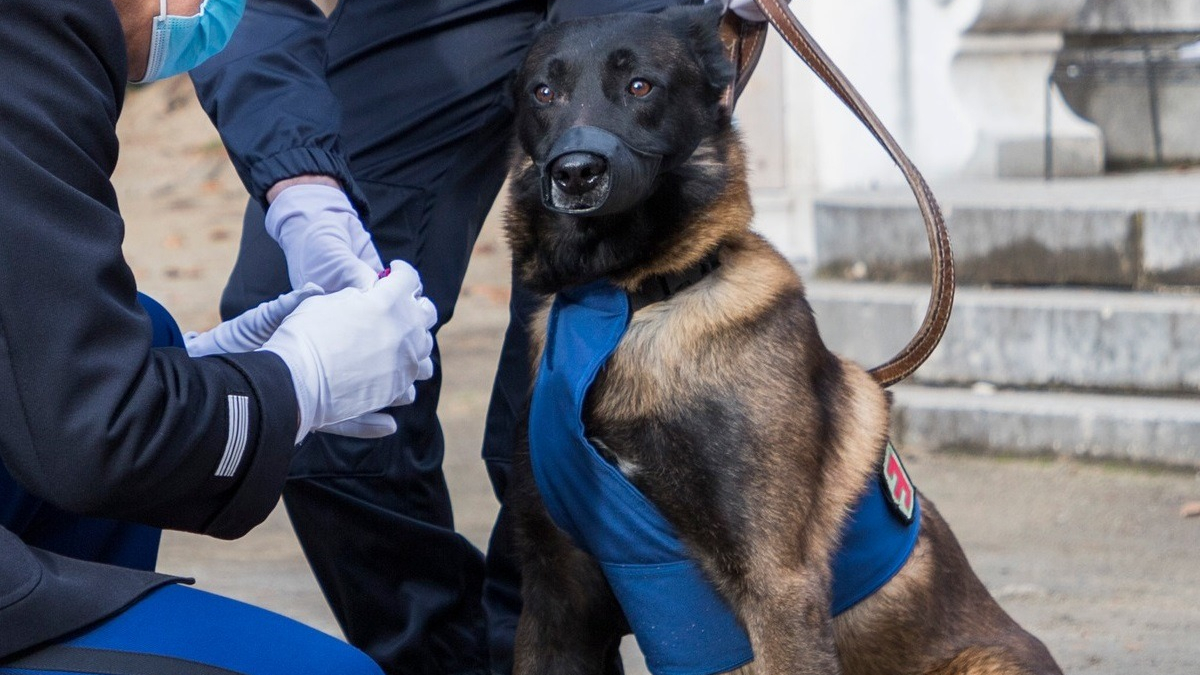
x,y
592,172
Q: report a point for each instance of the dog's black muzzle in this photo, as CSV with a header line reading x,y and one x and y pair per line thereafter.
x,y
592,172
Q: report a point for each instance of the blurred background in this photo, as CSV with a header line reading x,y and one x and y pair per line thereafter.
x,y
1061,138
1058,425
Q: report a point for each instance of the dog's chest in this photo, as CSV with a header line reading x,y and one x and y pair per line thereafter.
x,y
643,410
642,382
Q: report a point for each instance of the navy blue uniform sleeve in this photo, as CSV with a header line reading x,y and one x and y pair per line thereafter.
x,y
267,95
91,417
562,10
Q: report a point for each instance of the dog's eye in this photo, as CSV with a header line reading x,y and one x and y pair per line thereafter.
x,y
543,93
640,87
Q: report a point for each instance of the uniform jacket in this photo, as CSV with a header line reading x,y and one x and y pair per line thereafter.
x,y
274,69
92,419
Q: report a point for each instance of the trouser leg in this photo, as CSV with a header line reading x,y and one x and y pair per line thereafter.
x,y
375,521
183,631
374,516
510,392
426,128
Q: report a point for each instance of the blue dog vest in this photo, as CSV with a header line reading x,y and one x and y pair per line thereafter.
x,y
681,624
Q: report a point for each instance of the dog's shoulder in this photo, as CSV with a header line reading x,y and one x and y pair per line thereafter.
x,y
746,320
752,297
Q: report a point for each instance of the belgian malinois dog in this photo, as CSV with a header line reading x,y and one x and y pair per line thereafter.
x,y
720,403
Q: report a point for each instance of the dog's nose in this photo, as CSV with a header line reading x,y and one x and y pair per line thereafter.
x,y
577,173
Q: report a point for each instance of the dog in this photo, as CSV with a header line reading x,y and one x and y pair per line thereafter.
x,y
719,402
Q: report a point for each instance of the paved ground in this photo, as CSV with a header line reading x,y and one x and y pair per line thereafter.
x,y
1095,559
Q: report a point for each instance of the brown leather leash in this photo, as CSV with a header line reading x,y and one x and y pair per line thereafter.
x,y
744,42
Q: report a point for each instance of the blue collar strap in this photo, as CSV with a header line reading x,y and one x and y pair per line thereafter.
x,y
681,624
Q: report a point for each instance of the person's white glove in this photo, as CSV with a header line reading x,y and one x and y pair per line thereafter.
x,y
370,425
747,9
322,238
249,330
355,352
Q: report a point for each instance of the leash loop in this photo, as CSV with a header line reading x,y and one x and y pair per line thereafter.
x,y
744,45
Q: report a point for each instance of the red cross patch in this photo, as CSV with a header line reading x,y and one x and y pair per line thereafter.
x,y
898,487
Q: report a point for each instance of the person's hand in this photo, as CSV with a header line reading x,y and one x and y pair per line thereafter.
x,y
249,330
355,352
322,238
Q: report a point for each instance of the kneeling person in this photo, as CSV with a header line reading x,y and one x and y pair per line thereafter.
x,y
110,416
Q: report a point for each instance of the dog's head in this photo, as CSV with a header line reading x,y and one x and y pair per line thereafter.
x,y
623,140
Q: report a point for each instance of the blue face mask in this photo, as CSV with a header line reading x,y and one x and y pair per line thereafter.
x,y
180,43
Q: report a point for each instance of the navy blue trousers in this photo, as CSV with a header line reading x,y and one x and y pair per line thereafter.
x,y
178,630
426,124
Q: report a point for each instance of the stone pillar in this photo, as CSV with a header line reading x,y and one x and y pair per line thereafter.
x,y
1133,68
1000,74
802,141
779,134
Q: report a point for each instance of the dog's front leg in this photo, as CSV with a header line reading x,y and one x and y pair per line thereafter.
x,y
570,622
786,613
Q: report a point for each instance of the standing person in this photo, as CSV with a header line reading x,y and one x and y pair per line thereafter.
x,y
109,413
391,118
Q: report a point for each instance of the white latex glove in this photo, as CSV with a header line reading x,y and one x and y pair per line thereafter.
x,y
371,425
249,330
747,9
322,238
355,352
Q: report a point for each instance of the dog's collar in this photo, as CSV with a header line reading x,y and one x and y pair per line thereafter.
x,y
659,288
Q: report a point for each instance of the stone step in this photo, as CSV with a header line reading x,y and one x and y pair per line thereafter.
x,y
1133,232
1162,431
1025,338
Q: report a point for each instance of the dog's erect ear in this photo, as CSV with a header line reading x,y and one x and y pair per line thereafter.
x,y
701,25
